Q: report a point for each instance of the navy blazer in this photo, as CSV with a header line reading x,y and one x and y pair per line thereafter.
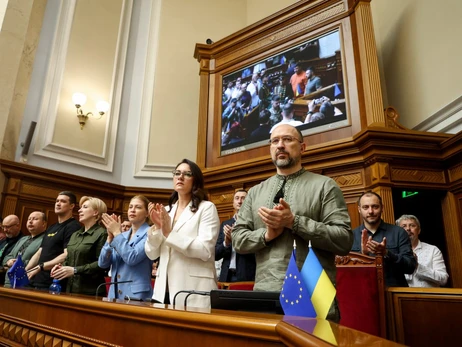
x,y
129,263
245,263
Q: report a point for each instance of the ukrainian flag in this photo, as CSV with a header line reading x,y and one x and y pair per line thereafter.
x,y
319,285
320,328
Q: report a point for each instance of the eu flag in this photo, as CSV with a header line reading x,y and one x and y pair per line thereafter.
x,y
294,298
17,274
320,288
337,91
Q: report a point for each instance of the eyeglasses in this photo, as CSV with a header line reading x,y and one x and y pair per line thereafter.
x,y
9,226
286,140
178,173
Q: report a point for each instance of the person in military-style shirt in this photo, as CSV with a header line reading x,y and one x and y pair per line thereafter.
x,y
81,264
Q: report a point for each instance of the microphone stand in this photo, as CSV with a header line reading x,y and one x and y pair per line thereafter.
x,y
189,292
115,282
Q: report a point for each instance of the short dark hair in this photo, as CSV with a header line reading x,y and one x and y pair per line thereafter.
x,y
311,68
369,193
264,116
288,107
327,109
72,197
276,98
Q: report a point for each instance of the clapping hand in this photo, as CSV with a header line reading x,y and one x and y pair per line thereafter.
x,y
113,225
160,218
227,230
276,219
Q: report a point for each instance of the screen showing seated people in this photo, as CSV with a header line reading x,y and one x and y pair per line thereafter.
x,y
302,86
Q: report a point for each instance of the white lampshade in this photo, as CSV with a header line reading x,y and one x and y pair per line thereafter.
x,y
102,106
79,99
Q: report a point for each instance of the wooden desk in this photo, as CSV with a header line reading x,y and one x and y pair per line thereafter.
x,y
425,316
145,324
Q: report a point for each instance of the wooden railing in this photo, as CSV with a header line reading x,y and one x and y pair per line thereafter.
x,y
145,324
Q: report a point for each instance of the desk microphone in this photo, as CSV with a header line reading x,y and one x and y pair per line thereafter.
x,y
115,282
189,292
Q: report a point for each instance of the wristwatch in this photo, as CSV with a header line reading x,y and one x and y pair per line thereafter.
x,y
41,266
75,271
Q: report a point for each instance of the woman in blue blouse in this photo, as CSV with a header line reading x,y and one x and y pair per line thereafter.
x,y
124,252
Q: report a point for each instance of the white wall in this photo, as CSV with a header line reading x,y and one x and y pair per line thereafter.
x,y
3,4
420,54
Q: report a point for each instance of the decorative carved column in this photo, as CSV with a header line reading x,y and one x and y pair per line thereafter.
x,y
388,213
203,111
378,177
367,48
452,227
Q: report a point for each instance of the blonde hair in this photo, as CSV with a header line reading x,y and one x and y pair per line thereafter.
x,y
96,204
145,202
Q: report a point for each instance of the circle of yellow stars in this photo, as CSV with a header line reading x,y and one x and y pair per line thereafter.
x,y
301,289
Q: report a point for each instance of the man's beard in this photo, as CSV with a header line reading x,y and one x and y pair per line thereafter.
x,y
285,163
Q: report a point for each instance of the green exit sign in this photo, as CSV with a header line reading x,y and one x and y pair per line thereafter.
x,y
407,194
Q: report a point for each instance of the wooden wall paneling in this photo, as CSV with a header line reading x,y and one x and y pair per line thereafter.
x,y
19,332
26,208
425,316
452,217
355,217
31,188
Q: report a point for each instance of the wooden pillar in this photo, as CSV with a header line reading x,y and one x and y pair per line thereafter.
x,y
367,50
451,206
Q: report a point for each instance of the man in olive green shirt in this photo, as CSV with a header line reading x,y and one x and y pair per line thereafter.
x,y
292,205
27,245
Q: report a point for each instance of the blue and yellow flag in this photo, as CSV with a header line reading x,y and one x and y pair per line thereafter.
x,y
17,274
321,290
320,328
295,298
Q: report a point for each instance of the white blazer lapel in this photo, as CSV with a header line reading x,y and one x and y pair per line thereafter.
x,y
185,216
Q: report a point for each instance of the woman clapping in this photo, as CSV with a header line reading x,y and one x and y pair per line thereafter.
x,y
184,238
124,252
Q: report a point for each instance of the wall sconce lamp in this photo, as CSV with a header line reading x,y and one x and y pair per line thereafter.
x,y
79,100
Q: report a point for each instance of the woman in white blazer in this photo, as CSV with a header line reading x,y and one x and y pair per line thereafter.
x,y
184,238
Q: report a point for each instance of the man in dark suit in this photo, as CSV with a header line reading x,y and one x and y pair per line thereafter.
x,y
235,267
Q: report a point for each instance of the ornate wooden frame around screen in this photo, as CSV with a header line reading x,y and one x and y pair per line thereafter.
x,y
285,31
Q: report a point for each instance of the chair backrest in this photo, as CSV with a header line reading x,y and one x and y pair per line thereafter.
x,y
361,293
241,285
